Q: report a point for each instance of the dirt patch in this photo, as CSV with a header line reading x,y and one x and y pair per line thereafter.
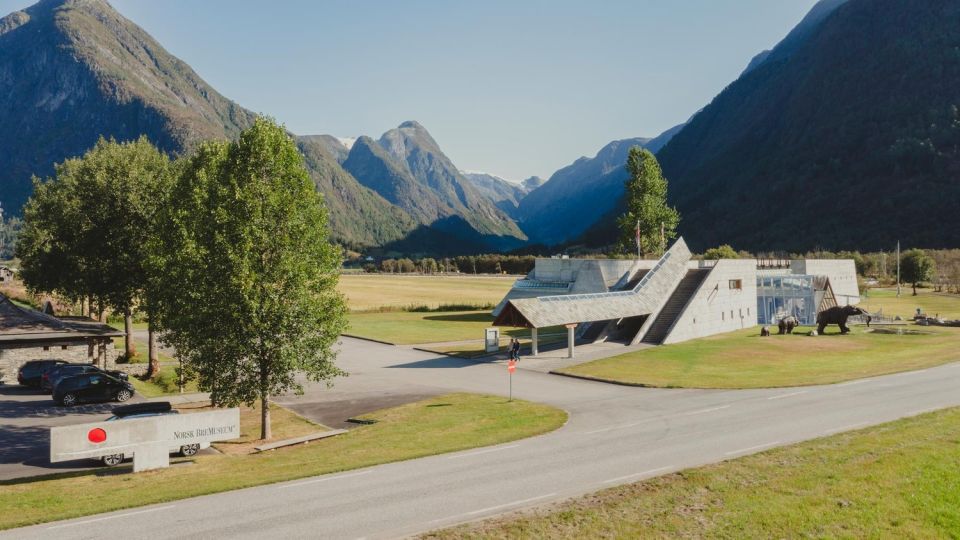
x,y
334,414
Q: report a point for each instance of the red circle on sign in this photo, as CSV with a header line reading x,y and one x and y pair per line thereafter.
x,y
97,435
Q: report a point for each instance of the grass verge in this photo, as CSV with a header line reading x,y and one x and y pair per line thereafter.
x,y
745,360
284,424
434,426
897,480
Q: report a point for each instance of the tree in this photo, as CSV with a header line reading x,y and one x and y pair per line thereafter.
x,y
86,230
916,266
720,252
388,266
428,265
249,296
647,209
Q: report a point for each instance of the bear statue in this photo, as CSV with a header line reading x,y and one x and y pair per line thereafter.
x,y
787,324
838,315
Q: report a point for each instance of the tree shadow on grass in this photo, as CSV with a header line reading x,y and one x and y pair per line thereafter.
x,y
482,316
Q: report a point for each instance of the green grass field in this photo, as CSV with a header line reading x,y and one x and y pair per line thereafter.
x,y
368,292
442,424
745,360
897,480
165,383
947,305
409,327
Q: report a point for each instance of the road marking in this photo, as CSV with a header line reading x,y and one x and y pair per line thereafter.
x,y
752,448
499,506
704,411
487,451
318,480
65,525
623,426
634,475
846,428
781,396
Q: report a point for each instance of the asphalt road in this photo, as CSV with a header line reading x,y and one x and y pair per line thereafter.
x,y
615,435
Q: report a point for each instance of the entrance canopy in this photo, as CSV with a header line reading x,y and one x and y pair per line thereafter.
x,y
643,299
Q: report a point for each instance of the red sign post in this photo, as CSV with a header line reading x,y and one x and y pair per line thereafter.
x,y
511,367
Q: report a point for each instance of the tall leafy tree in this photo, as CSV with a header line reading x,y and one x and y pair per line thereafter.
x,y
246,271
721,252
86,230
648,223
916,266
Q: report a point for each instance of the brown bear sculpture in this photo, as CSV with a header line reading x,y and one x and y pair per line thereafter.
x,y
838,315
787,324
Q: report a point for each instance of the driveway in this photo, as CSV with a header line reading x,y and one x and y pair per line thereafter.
x,y
26,416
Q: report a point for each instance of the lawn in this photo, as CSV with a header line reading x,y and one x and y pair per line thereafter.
x,y
743,359
408,327
284,424
163,384
441,424
947,305
368,292
897,480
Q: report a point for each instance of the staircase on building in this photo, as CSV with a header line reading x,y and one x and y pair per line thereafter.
x,y
674,307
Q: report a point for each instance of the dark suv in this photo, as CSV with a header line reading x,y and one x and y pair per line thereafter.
x,y
50,379
30,373
91,388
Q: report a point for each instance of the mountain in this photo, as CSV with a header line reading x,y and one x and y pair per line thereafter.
x,y
74,70
334,146
798,34
504,194
532,183
408,169
848,139
359,217
418,154
580,194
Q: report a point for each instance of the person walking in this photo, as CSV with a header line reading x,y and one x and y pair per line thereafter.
x,y
515,349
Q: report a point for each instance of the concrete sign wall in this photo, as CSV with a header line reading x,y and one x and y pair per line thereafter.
x,y
153,436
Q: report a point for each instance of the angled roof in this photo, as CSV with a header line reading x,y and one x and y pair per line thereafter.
x,y
19,324
643,299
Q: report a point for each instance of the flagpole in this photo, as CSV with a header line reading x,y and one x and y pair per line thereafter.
x,y
898,269
639,256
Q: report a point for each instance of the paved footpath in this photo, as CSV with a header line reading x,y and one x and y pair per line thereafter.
x,y
615,435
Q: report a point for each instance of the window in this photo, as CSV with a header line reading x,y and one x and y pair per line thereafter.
x,y
63,347
736,284
46,348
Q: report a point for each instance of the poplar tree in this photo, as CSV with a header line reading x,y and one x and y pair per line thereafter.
x,y
646,207
248,275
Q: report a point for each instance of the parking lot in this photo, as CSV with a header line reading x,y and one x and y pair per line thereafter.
x,y
26,416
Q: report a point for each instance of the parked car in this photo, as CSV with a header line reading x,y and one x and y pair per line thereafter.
x,y
30,373
145,410
91,388
50,379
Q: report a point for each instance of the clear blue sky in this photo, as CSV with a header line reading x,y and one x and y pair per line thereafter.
x,y
516,88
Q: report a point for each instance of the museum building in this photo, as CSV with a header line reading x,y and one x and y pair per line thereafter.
x,y
674,298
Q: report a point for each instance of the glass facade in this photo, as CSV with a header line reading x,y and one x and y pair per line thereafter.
x,y
781,296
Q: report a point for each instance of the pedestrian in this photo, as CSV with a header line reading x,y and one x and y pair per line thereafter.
x,y
515,349
510,349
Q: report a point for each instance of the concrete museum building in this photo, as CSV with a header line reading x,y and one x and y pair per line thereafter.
x,y
672,299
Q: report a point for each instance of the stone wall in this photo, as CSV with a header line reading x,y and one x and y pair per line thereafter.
x,y
717,306
12,358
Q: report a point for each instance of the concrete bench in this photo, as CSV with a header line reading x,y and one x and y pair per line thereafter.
x,y
299,440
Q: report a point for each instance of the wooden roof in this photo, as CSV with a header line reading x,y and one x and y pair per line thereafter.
x,y
20,325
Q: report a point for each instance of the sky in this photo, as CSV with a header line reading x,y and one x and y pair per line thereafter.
x,y
514,88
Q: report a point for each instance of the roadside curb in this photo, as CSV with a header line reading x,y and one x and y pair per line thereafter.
x,y
606,381
369,339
